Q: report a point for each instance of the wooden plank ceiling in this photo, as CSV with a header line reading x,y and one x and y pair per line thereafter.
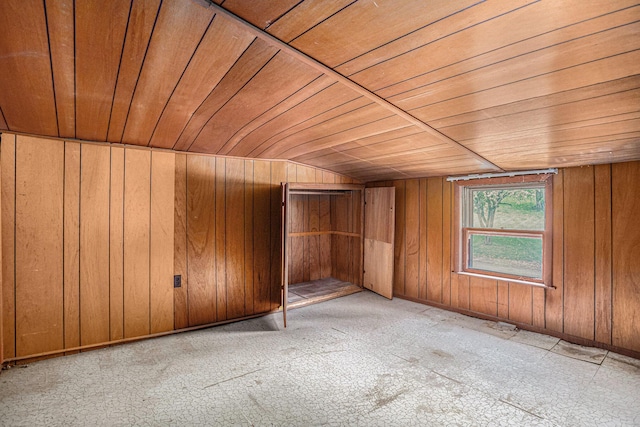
x,y
375,89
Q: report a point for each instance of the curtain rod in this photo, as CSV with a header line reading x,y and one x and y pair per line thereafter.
x,y
501,174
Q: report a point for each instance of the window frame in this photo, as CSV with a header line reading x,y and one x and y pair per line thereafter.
x,y
462,234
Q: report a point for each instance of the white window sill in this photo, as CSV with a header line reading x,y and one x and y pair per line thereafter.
x,y
504,279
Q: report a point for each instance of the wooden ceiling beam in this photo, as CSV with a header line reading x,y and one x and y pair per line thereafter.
x,y
275,42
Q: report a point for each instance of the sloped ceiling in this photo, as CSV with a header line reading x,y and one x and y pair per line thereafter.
x,y
377,90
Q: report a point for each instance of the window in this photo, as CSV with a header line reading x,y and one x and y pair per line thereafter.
x,y
504,228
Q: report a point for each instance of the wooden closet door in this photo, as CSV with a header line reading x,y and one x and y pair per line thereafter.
x,y
284,279
379,230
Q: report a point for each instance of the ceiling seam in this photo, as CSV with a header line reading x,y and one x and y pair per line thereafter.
x,y
115,86
492,64
4,119
195,112
352,85
270,109
142,64
229,100
540,97
408,34
53,80
344,104
173,91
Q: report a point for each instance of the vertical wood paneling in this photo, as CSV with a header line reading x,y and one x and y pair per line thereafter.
x,y
503,299
434,239
582,303
162,244
412,215
292,172
626,253
305,174
296,225
483,296
201,238
315,267
330,254
181,294
447,194
454,290
328,177
333,252
71,244
137,202
400,239
325,240
1,299
538,307
38,245
94,243
340,248
116,245
129,219
221,240
594,244
262,236
603,253
234,247
579,252
357,243
554,305
463,292
520,303
8,171
422,268
305,240
248,238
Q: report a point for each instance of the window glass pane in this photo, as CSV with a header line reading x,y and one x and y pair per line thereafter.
x,y
519,256
508,208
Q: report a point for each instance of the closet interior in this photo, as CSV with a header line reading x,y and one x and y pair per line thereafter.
x,y
323,241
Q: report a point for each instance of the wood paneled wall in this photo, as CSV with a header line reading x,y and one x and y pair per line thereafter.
x,y
596,270
92,236
331,252
346,214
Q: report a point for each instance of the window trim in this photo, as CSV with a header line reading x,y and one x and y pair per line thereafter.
x,y
461,233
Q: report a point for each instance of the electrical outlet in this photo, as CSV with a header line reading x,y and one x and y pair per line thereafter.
x,y
177,281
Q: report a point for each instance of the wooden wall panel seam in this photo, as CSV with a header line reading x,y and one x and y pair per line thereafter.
x,y
64,216
595,261
150,235
79,246
116,242
1,279
186,216
441,251
611,269
8,290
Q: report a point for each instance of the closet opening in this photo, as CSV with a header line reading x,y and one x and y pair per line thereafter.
x,y
322,242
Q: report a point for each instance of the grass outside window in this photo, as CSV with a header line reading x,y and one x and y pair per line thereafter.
x,y
504,228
